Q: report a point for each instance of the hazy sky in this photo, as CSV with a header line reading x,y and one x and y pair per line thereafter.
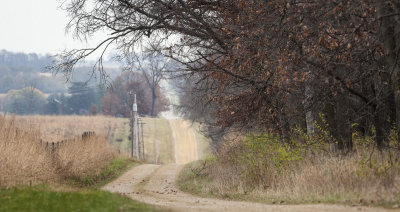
x,y
35,26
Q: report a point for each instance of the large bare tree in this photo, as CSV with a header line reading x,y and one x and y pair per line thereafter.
x,y
266,65
153,66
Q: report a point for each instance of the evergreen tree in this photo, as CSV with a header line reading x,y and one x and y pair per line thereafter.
x,y
82,97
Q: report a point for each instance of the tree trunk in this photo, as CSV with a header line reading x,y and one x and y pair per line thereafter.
x,y
153,101
397,103
329,124
389,26
379,129
343,124
307,104
284,128
380,112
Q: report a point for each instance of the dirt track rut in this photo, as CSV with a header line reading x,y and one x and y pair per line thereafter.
x,y
155,184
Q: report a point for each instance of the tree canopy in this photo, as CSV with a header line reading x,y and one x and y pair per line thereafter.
x,y
118,99
28,100
265,65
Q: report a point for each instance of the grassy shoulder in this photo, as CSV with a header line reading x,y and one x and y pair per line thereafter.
x,y
41,198
199,178
111,171
72,173
84,196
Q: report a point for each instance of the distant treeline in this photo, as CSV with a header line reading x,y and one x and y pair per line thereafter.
x,y
33,60
83,99
20,70
31,89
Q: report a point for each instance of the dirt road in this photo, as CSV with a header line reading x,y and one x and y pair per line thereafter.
x,y
155,184
184,141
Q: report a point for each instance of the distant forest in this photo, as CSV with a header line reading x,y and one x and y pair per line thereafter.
x,y
29,88
19,70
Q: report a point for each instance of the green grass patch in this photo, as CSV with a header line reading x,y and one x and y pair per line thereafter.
x,y
110,172
195,180
42,199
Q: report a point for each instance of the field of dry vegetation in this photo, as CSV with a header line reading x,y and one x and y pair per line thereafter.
x,y
260,168
24,159
57,128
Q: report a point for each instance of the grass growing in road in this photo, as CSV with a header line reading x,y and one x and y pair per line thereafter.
x,y
110,172
41,199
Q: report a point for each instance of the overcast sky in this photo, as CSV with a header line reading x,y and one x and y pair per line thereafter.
x,y
35,26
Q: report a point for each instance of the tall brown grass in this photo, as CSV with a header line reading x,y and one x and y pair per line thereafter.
x,y
25,160
271,173
81,158
22,158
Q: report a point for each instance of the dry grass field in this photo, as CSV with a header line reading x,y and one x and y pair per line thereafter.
x,y
271,173
157,132
24,159
57,128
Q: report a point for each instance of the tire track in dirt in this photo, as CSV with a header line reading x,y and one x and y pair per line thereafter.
x,y
155,184
126,183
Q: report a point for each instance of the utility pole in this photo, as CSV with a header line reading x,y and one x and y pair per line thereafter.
x,y
143,155
132,125
139,145
135,126
140,141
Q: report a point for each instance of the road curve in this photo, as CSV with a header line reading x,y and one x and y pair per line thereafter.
x,y
155,184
